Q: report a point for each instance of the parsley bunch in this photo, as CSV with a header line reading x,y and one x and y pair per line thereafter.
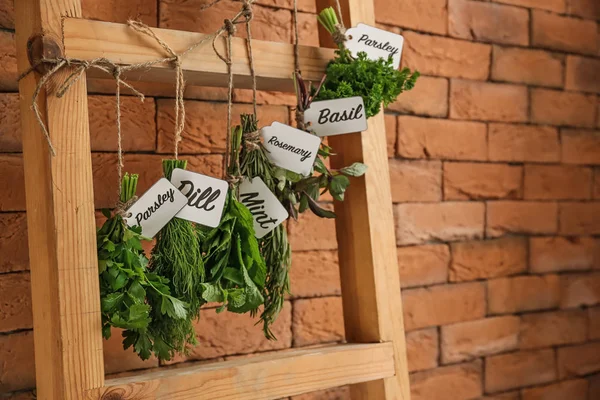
x,y
376,82
132,298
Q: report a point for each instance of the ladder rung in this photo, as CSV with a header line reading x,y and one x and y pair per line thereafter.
x,y
269,376
274,62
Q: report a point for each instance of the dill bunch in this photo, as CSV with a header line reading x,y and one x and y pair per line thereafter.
x,y
177,257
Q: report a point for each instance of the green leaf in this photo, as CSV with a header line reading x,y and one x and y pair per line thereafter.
x,y
318,211
356,169
106,212
338,186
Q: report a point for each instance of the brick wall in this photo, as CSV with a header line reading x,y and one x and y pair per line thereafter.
x,y
495,169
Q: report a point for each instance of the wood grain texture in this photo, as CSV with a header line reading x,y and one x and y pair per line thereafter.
x,y
274,62
366,238
60,216
262,377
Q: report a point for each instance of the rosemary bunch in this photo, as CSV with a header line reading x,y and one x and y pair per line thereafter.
x,y
275,246
177,257
131,296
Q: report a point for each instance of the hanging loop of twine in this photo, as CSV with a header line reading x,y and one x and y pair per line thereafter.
x,y
252,140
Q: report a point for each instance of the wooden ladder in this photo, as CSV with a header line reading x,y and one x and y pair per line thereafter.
x,y
62,230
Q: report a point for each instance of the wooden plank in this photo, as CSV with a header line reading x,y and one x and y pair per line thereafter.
x,y
60,217
366,238
274,62
262,377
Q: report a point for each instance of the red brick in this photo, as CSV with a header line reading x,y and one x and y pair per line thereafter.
x,y
423,15
468,340
214,341
523,293
267,24
418,223
594,318
534,67
317,321
594,387
462,380
464,181
583,74
118,360
555,254
391,132
488,22
308,29
557,182
438,56
479,101
579,218
442,305
553,329
563,33
429,138
579,290
510,371
521,217
8,62
575,389
14,254
422,349
15,302
312,232
423,265
429,97
7,14
118,11
578,360
584,8
503,396
206,124
341,393
17,369
10,123
596,188
315,274
523,143
148,166
418,181
562,108
580,146
303,5
550,5
12,181
488,259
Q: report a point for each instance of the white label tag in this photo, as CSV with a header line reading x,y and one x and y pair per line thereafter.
x,y
156,207
335,117
205,197
377,43
267,211
290,148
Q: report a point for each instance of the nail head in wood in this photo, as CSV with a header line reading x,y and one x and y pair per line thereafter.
x,y
40,47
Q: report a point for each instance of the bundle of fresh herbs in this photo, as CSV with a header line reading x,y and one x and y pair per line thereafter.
x,y
275,246
177,257
236,271
132,298
376,82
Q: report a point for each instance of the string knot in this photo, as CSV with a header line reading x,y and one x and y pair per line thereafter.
x,y
229,27
339,35
252,140
122,207
247,11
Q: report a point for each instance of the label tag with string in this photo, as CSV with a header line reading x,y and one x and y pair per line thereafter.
x,y
290,148
266,210
156,207
376,42
336,117
205,197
